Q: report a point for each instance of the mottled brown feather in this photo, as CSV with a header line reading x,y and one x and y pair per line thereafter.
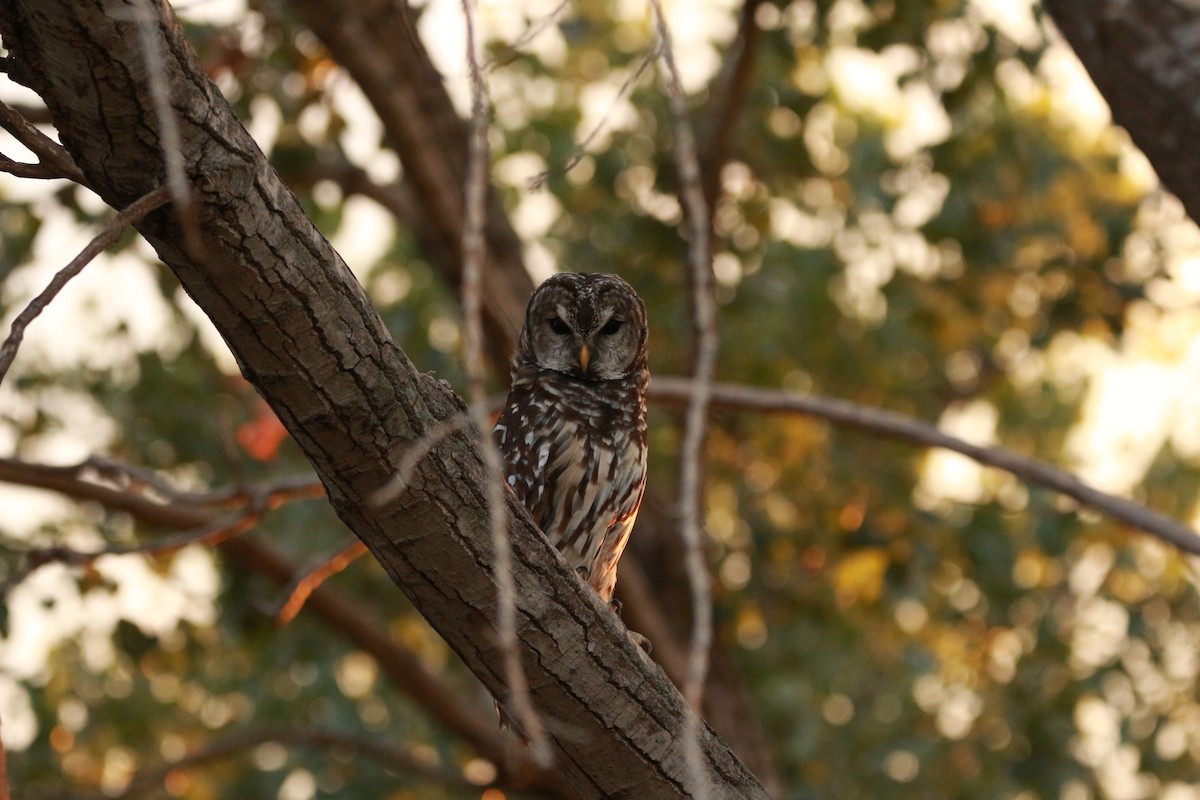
x,y
574,441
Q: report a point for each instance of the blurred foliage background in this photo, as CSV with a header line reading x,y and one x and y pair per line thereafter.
x,y
925,210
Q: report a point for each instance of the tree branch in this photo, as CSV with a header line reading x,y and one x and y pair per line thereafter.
x,y
474,250
306,582
269,494
580,149
677,391
211,534
53,159
704,364
38,171
176,179
146,497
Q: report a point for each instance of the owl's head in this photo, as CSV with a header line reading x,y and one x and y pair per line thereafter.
x,y
586,324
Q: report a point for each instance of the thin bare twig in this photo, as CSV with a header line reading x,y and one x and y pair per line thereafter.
x,y
160,97
703,309
37,171
78,483
130,215
531,33
473,245
150,484
539,181
894,426
149,497
306,582
210,534
53,159
170,140
415,454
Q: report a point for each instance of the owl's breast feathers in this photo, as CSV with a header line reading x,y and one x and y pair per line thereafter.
x,y
575,455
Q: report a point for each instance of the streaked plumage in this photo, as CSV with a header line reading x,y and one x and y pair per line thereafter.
x,y
573,430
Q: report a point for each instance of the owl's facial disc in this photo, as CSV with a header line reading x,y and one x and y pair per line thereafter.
x,y
586,328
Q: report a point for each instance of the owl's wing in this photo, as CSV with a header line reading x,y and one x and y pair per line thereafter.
x,y
520,435
551,466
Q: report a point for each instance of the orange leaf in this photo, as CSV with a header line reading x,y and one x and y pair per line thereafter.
x,y
261,436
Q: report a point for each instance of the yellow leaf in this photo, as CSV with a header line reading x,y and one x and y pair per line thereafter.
x,y
859,576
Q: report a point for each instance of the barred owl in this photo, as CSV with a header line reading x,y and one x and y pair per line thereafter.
x,y
573,430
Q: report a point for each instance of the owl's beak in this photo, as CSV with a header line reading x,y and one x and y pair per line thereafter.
x,y
585,356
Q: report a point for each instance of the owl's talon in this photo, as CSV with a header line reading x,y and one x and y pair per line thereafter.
x,y
640,641
616,606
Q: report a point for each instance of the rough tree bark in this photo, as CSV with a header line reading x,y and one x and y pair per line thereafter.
x,y
1144,58
306,336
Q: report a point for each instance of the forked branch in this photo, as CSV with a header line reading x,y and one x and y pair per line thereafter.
x,y
53,159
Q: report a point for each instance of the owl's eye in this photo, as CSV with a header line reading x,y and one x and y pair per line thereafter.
x,y
558,326
611,327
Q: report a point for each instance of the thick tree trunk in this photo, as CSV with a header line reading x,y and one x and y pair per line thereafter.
x,y
1144,57
307,337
